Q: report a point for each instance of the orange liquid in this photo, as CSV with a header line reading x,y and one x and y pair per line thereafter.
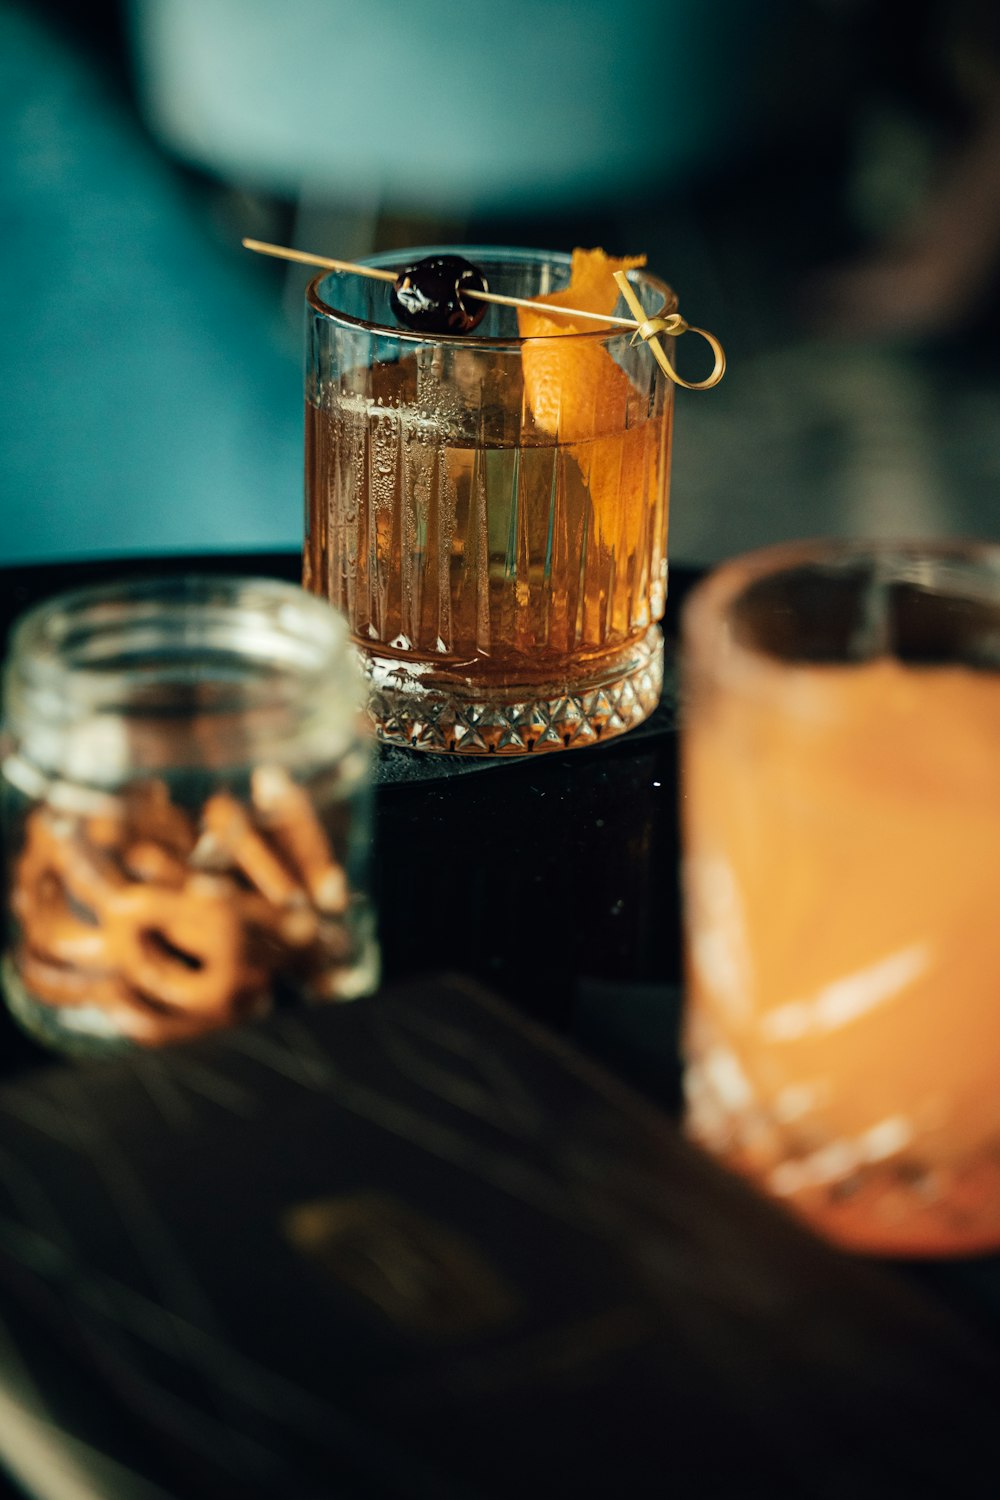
x,y
486,546
843,862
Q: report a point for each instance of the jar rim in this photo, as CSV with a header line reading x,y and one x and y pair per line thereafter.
x,y
77,631
256,657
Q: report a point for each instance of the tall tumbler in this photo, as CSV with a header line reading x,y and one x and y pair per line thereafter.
x,y
841,823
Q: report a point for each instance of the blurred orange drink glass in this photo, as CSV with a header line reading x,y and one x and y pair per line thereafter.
x,y
841,824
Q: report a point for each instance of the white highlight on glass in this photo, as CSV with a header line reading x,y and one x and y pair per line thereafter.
x,y
846,999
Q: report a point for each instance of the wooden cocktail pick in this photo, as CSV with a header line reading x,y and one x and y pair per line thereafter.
x,y
646,328
649,329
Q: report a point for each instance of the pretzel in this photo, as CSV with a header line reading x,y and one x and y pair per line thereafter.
x,y
104,830
150,814
133,1017
153,863
294,926
232,834
291,821
71,987
333,951
59,894
185,947
180,942
150,1024
171,931
68,984
65,937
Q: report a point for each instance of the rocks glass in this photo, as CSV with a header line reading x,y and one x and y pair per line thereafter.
x,y
489,512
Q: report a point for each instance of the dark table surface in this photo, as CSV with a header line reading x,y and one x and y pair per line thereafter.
x,y
553,881
551,878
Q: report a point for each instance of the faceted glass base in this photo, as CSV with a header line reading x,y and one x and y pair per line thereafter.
x,y
462,719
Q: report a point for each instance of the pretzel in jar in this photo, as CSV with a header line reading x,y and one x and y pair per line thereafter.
x,y
171,923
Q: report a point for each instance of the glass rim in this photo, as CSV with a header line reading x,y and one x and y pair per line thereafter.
x,y
708,628
388,259
42,659
724,583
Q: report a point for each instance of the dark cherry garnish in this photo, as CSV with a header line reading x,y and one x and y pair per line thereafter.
x,y
428,296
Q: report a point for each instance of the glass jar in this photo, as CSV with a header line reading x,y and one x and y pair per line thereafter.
x,y
186,798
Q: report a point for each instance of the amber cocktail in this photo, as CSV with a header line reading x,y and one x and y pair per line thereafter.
x,y
489,510
842,861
